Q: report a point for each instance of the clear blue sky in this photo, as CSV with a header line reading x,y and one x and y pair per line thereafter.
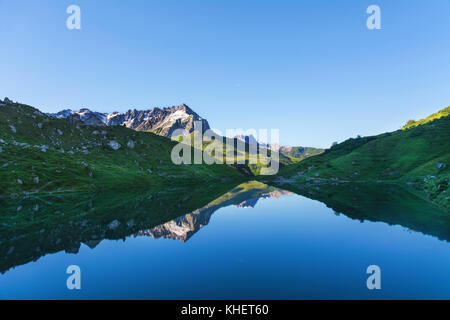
x,y
310,68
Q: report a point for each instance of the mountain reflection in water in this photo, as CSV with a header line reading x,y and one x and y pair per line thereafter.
x,y
33,227
184,227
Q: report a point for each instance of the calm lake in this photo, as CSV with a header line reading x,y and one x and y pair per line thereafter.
x,y
249,241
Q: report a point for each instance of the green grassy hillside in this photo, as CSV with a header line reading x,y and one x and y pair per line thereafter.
x,y
41,154
299,153
251,164
418,156
442,113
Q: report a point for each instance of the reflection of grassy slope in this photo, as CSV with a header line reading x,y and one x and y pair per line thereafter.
x,y
80,159
36,226
242,192
379,202
411,155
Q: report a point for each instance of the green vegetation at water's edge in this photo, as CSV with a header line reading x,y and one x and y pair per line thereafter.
x,y
418,156
39,154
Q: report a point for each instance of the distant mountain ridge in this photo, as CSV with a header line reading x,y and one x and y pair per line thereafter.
x,y
165,121
288,151
84,116
159,121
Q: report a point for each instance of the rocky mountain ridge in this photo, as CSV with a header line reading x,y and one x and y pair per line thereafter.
x,y
161,121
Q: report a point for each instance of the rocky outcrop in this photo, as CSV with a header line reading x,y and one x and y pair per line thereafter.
x,y
83,116
114,144
7,100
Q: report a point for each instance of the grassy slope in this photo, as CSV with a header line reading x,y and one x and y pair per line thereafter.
x,y
408,156
78,160
300,153
442,113
244,161
295,155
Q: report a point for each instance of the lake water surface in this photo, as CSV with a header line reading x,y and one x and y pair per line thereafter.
x,y
253,242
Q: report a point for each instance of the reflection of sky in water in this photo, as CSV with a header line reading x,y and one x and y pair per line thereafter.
x,y
291,247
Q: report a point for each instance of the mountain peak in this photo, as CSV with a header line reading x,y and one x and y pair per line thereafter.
x,y
160,121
